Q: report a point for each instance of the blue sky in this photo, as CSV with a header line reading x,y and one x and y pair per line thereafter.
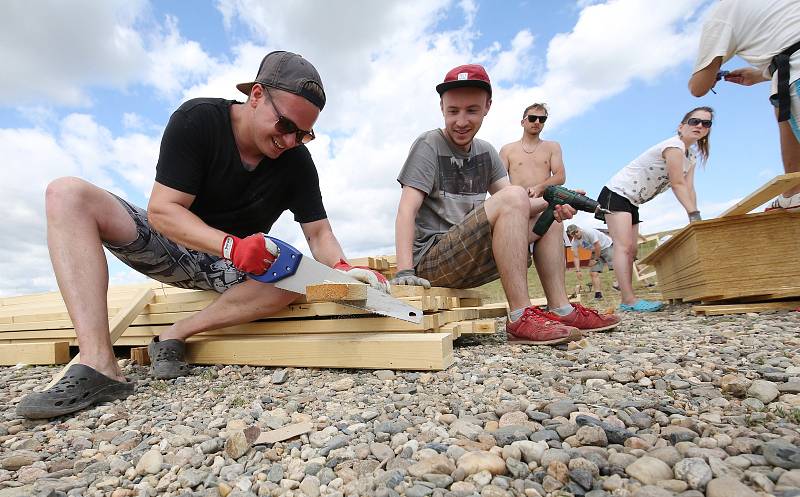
x,y
89,86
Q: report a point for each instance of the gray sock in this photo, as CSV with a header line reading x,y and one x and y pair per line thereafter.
x,y
563,310
514,315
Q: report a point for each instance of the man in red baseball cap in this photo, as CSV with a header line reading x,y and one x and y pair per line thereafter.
x,y
448,233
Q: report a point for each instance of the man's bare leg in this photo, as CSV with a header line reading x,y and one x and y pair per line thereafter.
x,y
508,213
623,233
548,257
240,304
790,153
79,217
596,285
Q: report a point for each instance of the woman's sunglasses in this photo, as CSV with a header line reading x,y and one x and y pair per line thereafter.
x,y
284,125
693,121
533,119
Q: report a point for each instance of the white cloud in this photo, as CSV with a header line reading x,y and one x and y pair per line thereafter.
x,y
54,51
379,61
31,159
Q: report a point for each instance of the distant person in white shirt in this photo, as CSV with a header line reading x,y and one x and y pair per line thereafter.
x,y
670,163
600,245
766,34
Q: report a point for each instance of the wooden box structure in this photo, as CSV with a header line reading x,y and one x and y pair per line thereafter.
x,y
751,256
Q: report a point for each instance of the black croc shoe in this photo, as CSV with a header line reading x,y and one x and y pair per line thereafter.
x,y
167,359
80,387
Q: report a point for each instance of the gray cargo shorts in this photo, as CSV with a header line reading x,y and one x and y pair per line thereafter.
x,y
606,258
158,257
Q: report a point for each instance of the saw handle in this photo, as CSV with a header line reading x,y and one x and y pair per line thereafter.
x,y
285,265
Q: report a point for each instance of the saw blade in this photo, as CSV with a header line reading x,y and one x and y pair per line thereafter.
x,y
311,272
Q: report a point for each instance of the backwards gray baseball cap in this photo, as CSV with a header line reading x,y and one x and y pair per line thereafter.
x,y
289,72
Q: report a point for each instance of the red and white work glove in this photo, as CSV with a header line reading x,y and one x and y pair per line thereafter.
x,y
253,254
363,274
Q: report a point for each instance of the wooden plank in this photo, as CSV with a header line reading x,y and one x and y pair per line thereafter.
x,y
409,351
332,292
116,327
430,322
284,433
769,190
140,356
34,353
418,291
722,309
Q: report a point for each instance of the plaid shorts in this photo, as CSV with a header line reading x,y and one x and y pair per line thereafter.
x,y
158,257
462,257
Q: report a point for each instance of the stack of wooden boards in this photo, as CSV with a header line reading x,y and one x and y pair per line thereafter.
x,y
738,262
36,329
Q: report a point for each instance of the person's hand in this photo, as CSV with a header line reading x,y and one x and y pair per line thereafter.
x,y
745,76
564,212
592,262
536,191
364,274
409,277
694,216
253,254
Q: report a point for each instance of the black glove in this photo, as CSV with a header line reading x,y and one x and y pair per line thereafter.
x,y
409,277
694,216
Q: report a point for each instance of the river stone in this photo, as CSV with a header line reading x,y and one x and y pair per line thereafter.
x,y
438,464
728,487
693,471
763,390
475,462
150,463
649,470
782,454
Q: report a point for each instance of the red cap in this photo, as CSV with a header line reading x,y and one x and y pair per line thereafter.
x,y
467,75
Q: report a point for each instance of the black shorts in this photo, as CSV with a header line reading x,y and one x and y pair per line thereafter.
x,y
617,203
158,257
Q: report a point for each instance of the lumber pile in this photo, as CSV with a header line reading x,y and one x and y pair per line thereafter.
x,y
735,259
305,334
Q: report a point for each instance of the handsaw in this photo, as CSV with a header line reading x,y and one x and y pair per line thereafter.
x,y
291,271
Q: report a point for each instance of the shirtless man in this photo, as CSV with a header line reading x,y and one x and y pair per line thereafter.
x,y
532,162
535,164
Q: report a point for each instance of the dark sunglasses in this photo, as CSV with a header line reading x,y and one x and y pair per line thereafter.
x,y
533,119
284,125
693,121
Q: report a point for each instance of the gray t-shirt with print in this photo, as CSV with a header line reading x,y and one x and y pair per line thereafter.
x,y
455,182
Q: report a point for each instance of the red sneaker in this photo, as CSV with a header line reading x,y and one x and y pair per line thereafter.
x,y
586,319
536,328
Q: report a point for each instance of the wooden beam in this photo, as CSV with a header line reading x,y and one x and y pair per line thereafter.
x,y
410,351
722,309
332,292
140,356
418,291
34,353
116,327
772,188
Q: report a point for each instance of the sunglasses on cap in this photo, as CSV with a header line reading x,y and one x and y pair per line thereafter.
x,y
533,119
693,121
285,126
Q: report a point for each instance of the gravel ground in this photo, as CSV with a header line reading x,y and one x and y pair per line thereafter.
x,y
669,405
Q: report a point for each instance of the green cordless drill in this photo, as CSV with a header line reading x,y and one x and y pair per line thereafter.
x,y
558,195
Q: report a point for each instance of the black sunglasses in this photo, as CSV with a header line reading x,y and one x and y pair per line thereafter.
x,y
284,125
533,119
693,121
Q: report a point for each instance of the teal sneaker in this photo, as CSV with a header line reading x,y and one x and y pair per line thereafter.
x,y
642,305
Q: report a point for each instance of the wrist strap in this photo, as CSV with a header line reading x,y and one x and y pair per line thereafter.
x,y
227,247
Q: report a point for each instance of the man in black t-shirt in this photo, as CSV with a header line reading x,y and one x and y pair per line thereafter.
x,y
226,171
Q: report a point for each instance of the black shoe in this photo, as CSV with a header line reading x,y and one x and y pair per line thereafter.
x,y
598,295
167,359
80,388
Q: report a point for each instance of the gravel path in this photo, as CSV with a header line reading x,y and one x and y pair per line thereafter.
x,y
670,405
